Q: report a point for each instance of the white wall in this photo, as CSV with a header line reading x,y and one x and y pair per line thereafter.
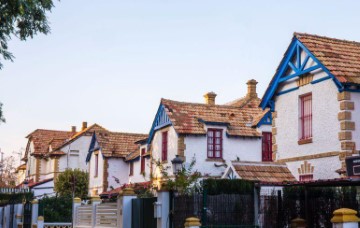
x,y
355,116
324,168
325,121
138,177
81,144
117,168
247,149
96,183
45,188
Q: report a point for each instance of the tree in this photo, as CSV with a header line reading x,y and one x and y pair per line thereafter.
x,y
2,119
8,177
72,181
22,19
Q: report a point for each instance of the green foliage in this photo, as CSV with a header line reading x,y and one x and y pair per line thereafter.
x,y
23,19
226,186
2,119
15,198
56,209
72,180
185,182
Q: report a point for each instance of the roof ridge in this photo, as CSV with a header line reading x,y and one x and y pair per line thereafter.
x,y
299,34
202,104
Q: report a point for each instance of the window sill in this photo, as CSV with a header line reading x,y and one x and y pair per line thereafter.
x,y
164,162
215,160
304,141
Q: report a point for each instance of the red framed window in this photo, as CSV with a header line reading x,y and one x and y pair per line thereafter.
x,y
306,177
214,143
164,148
266,146
305,116
142,157
96,165
131,171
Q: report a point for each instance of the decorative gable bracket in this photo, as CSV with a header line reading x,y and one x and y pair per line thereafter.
x,y
161,120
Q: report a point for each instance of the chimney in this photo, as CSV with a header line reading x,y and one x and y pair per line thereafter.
x,y
84,126
251,86
73,129
210,98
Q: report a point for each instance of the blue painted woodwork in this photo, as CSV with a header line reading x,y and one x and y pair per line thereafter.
x,y
266,120
161,120
287,91
92,147
320,79
293,51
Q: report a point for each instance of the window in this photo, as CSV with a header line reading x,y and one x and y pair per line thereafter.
x,y
142,157
96,165
306,177
214,143
266,146
164,148
305,118
131,172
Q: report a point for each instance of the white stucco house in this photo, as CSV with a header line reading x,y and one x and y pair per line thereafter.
x,y
315,103
215,135
106,159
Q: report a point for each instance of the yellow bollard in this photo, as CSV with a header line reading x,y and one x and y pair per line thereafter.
x,y
192,222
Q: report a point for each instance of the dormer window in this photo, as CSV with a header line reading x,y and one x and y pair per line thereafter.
x,y
214,143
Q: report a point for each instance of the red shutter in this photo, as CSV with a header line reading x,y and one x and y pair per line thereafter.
x,y
96,165
306,116
142,169
131,172
164,149
214,143
266,146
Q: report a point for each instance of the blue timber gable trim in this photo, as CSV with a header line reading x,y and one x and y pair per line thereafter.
x,y
266,120
92,148
161,120
294,51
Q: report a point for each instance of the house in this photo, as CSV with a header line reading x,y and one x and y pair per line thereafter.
x,y
108,168
315,103
20,174
50,152
212,134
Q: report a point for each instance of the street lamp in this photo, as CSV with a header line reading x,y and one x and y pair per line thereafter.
x,y
26,183
177,164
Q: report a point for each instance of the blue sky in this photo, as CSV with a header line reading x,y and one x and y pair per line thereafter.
x,y
111,61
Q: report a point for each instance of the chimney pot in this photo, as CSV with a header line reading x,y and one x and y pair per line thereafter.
x,y
210,98
84,126
73,129
251,86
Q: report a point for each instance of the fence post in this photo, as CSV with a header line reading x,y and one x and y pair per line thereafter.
x,y
126,197
192,222
40,222
76,203
19,209
95,200
345,218
298,223
34,211
163,201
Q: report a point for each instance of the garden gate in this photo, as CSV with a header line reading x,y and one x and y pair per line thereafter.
x,y
27,215
143,213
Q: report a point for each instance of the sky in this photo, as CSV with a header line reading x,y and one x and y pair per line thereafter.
x,y
110,62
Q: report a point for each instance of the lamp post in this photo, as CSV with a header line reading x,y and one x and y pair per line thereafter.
x,y
26,184
177,163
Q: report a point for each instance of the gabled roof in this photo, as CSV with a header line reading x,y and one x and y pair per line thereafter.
x,y
189,118
263,171
117,144
340,57
87,131
42,139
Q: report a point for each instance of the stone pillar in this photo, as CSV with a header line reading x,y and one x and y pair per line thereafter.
x,y
163,201
298,223
40,222
124,200
76,204
34,211
345,218
192,222
95,200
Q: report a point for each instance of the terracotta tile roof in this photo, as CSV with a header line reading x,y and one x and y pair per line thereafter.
x,y
34,184
189,118
341,57
56,153
118,144
20,167
263,171
42,139
133,155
